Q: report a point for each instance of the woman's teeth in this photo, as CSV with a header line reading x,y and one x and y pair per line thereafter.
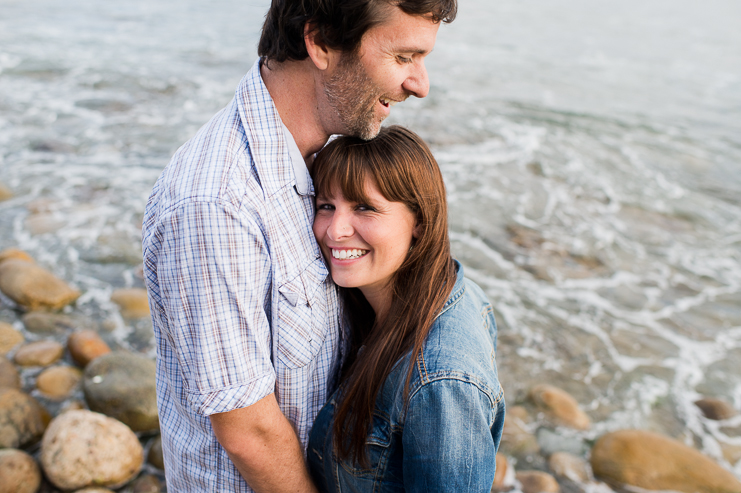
x,y
348,254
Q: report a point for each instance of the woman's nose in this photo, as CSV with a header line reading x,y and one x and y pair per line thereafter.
x,y
340,227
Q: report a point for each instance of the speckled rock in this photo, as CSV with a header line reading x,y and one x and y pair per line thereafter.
x,y
656,462
39,353
537,482
9,376
569,466
34,287
47,323
133,302
19,473
86,345
9,338
122,385
559,407
716,409
146,483
22,419
57,382
95,489
83,448
155,457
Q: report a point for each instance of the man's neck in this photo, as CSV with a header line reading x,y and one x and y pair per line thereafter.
x,y
293,89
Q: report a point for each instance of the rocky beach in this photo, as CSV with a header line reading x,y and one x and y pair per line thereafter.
x,y
592,160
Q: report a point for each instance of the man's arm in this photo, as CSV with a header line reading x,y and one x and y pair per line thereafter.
x,y
263,445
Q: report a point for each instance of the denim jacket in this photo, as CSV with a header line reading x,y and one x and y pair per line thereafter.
x,y
447,436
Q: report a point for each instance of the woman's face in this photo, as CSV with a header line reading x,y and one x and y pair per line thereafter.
x,y
364,244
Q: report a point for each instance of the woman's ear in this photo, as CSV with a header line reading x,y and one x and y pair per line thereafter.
x,y
417,229
321,54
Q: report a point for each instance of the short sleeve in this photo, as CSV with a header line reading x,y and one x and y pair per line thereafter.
x,y
214,274
449,442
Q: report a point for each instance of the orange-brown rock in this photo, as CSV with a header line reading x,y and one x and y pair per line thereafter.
x,y
133,302
569,466
155,457
537,482
559,407
86,345
5,193
39,353
34,287
22,419
517,440
57,382
716,409
9,376
9,338
19,473
14,253
655,462
501,474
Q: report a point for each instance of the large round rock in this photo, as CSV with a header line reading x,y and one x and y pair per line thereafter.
x,y
34,287
655,462
22,419
83,448
19,473
122,385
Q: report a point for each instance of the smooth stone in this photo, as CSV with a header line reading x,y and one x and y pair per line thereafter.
x,y
716,409
5,193
58,382
95,489
9,338
560,407
14,253
86,345
146,483
537,482
34,287
504,476
39,353
155,457
47,323
570,466
551,441
45,222
655,462
9,376
122,385
83,448
517,440
19,472
22,419
133,302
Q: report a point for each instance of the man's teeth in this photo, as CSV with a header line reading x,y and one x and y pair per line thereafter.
x,y
348,254
388,102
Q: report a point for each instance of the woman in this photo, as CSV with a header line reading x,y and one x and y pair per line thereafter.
x,y
419,406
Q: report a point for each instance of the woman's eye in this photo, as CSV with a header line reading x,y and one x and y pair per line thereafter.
x,y
324,207
365,208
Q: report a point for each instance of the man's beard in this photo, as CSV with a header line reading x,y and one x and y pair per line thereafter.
x,y
353,96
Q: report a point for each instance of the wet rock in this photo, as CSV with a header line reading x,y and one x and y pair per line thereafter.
x,y
86,345
19,472
537,482
9,376
22,419
504,476
569,466
47,323
83,448
133,302
716,409
146,483
559,407
655,462
58,382
45,222
9,338
517,440
33,287
39,353
551,441
155,457
122,385
5,193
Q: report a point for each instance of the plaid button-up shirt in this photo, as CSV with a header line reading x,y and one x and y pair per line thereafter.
x,y
241,300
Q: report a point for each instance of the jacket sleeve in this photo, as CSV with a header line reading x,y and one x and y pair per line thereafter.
x,y
451,436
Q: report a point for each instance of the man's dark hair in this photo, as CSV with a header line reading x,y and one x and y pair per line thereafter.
x,y
340,23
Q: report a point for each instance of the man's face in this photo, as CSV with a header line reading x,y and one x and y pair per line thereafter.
x,y
388,68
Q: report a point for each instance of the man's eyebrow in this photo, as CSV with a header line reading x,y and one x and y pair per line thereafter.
x,y
416,51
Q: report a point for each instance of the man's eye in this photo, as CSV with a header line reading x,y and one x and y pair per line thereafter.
x,y
404,59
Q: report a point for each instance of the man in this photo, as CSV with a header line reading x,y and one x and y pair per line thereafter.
x,y
245,316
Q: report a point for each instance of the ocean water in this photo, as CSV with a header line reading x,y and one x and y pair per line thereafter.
x,y
591,150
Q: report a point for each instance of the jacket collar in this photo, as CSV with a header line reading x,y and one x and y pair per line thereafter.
x,y
458,289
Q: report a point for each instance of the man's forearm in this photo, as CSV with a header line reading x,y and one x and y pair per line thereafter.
x,y
264,447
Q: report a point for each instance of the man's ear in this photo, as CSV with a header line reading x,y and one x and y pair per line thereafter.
x,y
319,52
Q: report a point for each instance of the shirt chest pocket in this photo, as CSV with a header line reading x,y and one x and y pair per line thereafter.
x,y
302,315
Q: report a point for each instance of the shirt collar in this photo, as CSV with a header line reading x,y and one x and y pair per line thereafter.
x,y
304,186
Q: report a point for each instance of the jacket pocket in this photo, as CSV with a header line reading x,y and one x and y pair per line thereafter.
x,y
377,448
302,315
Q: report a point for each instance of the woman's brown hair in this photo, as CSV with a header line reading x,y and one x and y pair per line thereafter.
x,y
401,165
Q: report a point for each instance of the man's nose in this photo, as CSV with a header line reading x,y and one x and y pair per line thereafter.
x,y
417,84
